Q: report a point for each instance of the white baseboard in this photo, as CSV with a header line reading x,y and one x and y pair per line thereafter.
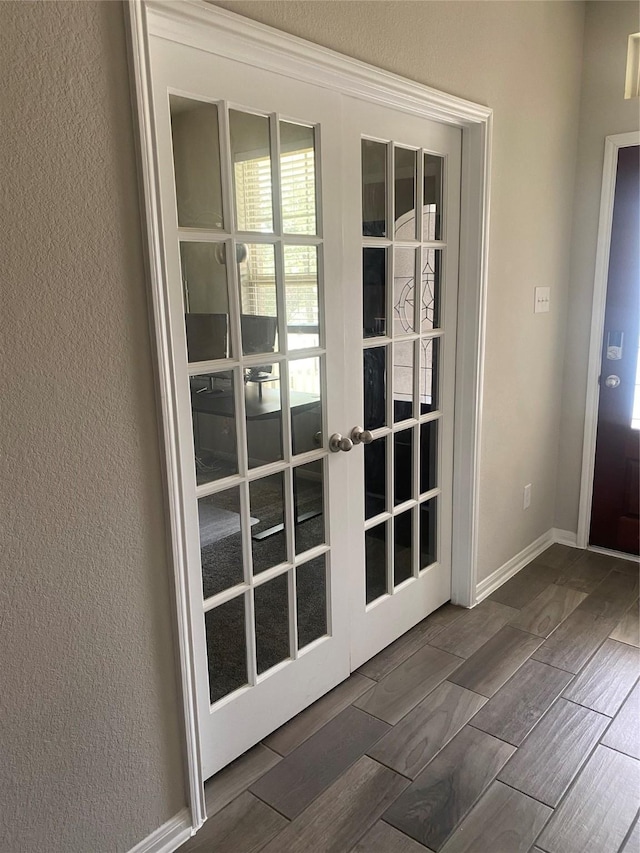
x,y
565,537
513,566
168,837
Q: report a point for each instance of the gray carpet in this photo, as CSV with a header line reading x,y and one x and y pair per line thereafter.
x,y
221,556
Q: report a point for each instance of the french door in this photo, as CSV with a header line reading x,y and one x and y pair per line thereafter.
x,y
310,250
402,249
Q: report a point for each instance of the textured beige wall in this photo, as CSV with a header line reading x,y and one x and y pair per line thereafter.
x,y
90,757
603,112
524,60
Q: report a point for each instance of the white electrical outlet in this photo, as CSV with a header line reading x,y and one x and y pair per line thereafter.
x,y
542,301
527,496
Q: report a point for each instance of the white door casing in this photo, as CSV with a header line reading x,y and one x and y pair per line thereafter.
x,y
225,34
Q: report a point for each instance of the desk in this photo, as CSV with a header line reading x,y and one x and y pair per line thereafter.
x,y
260,403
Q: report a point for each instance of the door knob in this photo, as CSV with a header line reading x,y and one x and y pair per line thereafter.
x,y
612,381
361,436
339,442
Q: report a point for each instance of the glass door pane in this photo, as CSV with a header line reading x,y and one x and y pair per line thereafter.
x,y
251,296
401,400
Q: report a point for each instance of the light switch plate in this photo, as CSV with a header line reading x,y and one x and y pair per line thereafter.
x,y
542,300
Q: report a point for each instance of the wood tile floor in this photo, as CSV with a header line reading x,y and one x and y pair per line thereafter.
x,y
510,728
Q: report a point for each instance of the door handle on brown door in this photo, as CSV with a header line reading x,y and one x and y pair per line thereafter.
x,y
339,442
612,381
361,436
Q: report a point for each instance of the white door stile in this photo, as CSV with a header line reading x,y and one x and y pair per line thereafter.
x,y
217,33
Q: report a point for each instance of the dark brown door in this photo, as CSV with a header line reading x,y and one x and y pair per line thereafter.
x,y
614,512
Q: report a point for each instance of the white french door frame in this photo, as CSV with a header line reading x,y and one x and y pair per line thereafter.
x,y
612,145
200,25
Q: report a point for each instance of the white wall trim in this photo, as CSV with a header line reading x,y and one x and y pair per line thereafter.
x,y
168,837
513,566
565,537
633,558
198,24
137,35
227,34
611,147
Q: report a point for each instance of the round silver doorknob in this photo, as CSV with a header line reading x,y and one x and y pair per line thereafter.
x,y
361,436
612,381
339,442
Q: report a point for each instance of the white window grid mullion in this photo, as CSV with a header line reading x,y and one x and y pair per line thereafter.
x,y
444,213
317,140
415,549
419,194
250,637
215,486
276,182
311,554
439,288
390,192
281,306
378,341
417,314
222,597
381,517
322,336
391,335
390,465
293,614
289,513
285,413
201,235
220,365
226,168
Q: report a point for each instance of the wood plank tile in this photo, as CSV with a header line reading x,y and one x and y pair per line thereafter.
x,y
503,821
628,628
408,643
582,632
492,665
624,733
343,813
474,628
297,730
559,556
431,808
408,684
244,825
298,779
554,752
587,572
632,844
525,586
383,838
626,567
543,615
518,706
599,809
619,587
605,682
415,740
237,776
